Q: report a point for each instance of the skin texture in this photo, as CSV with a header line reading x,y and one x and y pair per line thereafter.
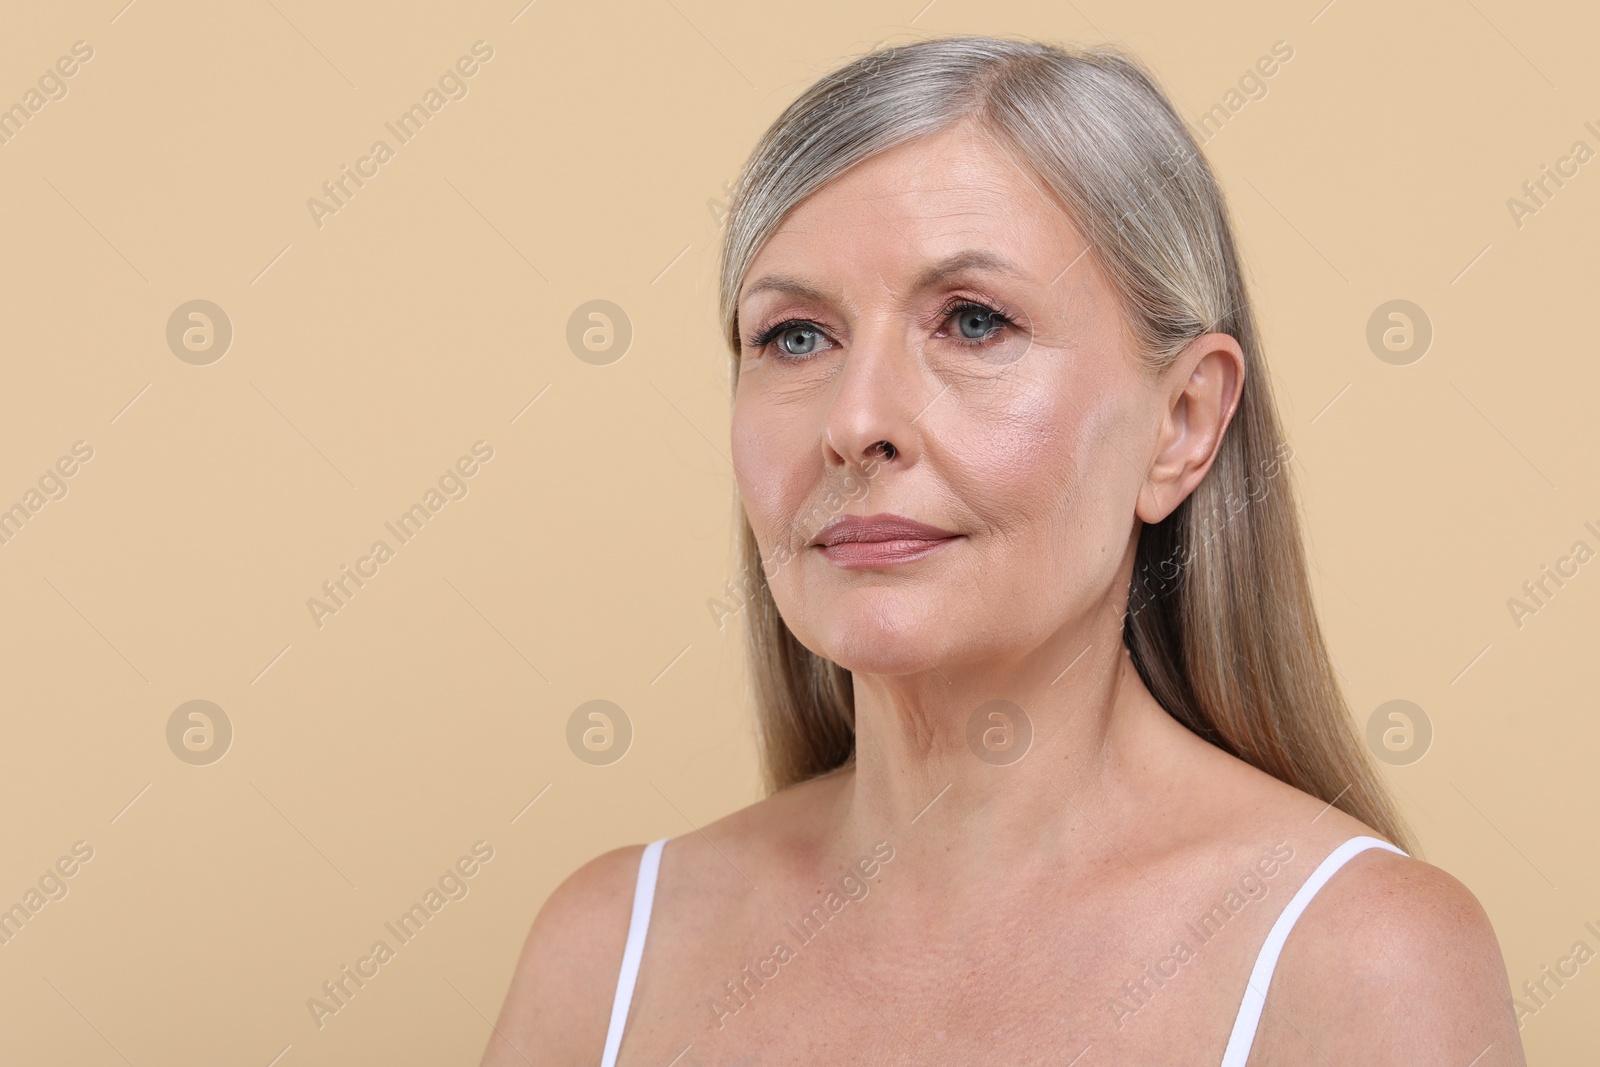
x,y
1022,901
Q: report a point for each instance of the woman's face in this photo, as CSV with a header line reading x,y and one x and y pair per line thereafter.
x,y
936,299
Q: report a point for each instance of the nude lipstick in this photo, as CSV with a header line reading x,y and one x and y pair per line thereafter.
x,y
884,540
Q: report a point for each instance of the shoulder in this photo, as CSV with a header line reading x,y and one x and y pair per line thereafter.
x,y
1394,961
559,1000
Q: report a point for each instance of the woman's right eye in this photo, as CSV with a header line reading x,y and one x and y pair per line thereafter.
x,y
796,339
800,340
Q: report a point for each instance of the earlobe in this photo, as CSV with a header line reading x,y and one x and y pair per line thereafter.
x,y
1200,391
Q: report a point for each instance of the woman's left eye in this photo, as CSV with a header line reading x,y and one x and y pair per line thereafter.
x,y
976,323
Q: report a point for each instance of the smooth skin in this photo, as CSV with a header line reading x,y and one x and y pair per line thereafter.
x,y
1023,902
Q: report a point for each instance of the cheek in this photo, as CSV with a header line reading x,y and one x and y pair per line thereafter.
x,y
768,460
1043,456
1054,482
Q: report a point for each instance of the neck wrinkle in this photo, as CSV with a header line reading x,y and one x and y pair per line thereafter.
x,y
916,783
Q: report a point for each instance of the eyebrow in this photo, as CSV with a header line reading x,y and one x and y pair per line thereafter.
x,y
969,259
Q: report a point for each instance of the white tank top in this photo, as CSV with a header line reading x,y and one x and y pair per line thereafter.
x,y
1244,1024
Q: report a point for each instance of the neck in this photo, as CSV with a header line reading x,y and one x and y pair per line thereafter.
x,y
1009,763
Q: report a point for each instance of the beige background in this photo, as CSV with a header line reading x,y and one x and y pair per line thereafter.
x,y
586,162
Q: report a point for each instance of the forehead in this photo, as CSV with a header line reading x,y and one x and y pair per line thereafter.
x,y
892,217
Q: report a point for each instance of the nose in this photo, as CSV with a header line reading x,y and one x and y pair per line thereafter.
x,y
871,417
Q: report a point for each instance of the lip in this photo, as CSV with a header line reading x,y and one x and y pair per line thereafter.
x,y
853,541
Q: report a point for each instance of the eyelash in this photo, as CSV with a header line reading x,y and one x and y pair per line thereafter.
x,y
1001,317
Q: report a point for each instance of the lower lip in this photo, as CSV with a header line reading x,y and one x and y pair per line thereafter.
x,y
853,555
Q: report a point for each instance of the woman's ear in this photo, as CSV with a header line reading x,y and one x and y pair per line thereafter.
x,y
1199,391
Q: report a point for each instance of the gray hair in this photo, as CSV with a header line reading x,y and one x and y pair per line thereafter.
x,y
1119,159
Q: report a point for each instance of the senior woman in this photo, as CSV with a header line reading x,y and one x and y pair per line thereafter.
x,y
1057,759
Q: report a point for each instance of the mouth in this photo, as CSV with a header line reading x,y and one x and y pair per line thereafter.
x,y
861,541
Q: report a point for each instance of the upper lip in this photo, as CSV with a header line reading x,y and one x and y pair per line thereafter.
x,y
883,527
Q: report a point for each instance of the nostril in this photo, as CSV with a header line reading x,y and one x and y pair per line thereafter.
x,y
887,450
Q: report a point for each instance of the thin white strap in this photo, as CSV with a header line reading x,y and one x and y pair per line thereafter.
x,y
1255,994
644,894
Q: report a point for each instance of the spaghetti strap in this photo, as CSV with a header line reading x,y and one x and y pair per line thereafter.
x,y
1255,994
644,892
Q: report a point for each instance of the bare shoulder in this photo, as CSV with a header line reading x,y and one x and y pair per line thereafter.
x,y
763,843
559,1000
1394,961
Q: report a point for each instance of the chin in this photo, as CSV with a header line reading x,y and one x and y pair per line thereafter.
x,y
872,634
884,658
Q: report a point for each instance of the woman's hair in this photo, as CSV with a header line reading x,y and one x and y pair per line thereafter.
x,y
1220,621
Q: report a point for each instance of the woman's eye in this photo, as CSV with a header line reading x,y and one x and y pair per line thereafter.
x,y
799,340
976,322
977,326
